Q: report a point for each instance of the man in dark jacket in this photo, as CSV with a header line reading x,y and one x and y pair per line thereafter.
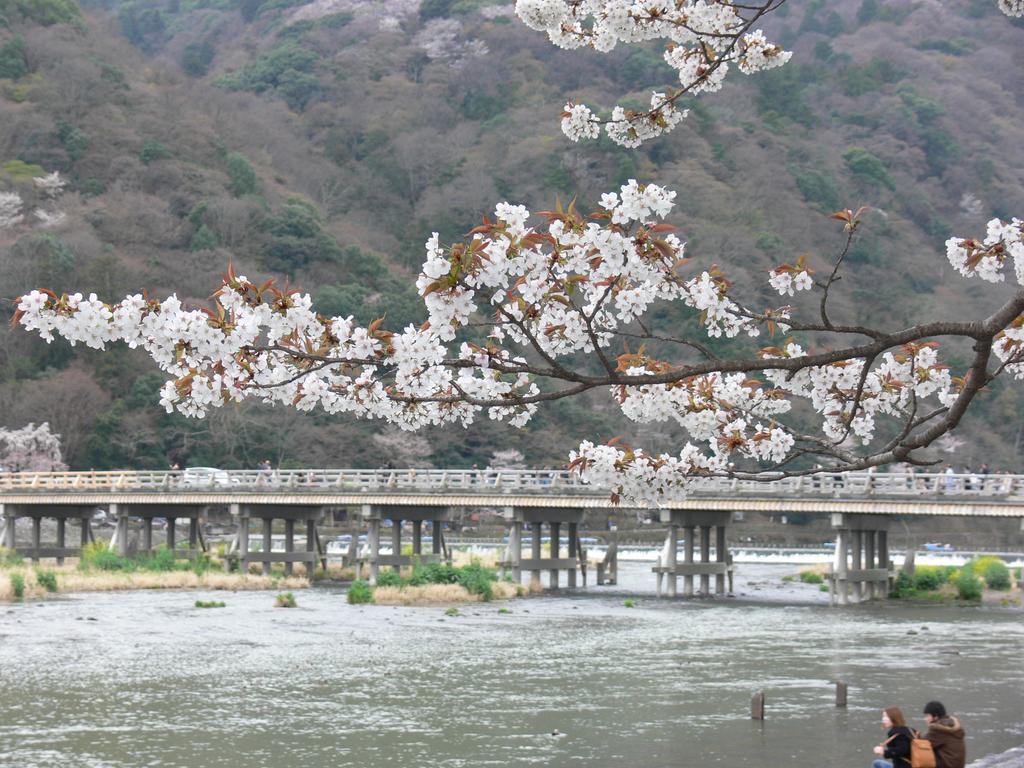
x,y
946,735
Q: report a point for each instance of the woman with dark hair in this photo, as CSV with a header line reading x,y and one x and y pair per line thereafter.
x,y
894,752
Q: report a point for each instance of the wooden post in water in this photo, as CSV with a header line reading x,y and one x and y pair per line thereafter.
x,y
122,529
757,706
417,537
61,537
373,543
535,556
883,558
556,547
573,552
842,586
720,555
689,532
857,562
311,548
869,559
36,529
396,542
515,550
9,528
289,545
193,534
670,558
705,558
268,542
243,540
841,689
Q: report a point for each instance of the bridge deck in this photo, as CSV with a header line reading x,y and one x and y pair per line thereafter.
x,y
855,493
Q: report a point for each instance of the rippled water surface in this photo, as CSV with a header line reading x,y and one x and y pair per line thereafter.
x,y
145,679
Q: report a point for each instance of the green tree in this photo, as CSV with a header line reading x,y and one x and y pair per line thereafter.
x,y
153,150
865,165
13,63
241,174
197,58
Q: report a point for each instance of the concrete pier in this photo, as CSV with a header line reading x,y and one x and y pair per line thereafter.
x,y
124,513
517,519
861,569
668,570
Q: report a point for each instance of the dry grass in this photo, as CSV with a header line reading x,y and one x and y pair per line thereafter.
x,y
435,594
489,559
69,579
337,573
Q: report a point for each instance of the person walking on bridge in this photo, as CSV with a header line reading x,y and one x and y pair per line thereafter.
x,y
946,735
894,752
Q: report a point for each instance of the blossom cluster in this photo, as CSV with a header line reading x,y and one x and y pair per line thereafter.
x,y
704,39
787,279
985,259
1013,8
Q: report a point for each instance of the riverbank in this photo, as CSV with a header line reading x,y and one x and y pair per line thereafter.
x,y
38,583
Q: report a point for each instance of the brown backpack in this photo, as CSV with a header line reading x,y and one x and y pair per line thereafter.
x,y
921,753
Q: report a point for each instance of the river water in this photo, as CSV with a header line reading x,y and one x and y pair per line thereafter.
x,y
145,679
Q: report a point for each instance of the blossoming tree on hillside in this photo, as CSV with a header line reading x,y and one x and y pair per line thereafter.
x,y
30,449
522,313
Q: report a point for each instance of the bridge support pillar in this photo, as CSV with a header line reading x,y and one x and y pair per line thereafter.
x,y
669,567
243,537
535,517
10,518
376,514
861,563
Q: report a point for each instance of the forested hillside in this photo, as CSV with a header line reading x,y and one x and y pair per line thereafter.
x,y
320,143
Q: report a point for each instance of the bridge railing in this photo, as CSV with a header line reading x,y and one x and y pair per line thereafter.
x,y
470,481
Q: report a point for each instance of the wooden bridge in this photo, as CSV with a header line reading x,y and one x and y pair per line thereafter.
x,y
860,506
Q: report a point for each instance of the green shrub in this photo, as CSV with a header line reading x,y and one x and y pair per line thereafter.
x,y
97,557
478,580
19,170
927,580
18,585
13,63
504,610
241,174
389,579
453,611
903,587
204,239
360,592
997,576
865,165
823,587
47,580
968,586
153,150
628,603
285,600
788,578
10,558
817,187
811,577
209,604
197,57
